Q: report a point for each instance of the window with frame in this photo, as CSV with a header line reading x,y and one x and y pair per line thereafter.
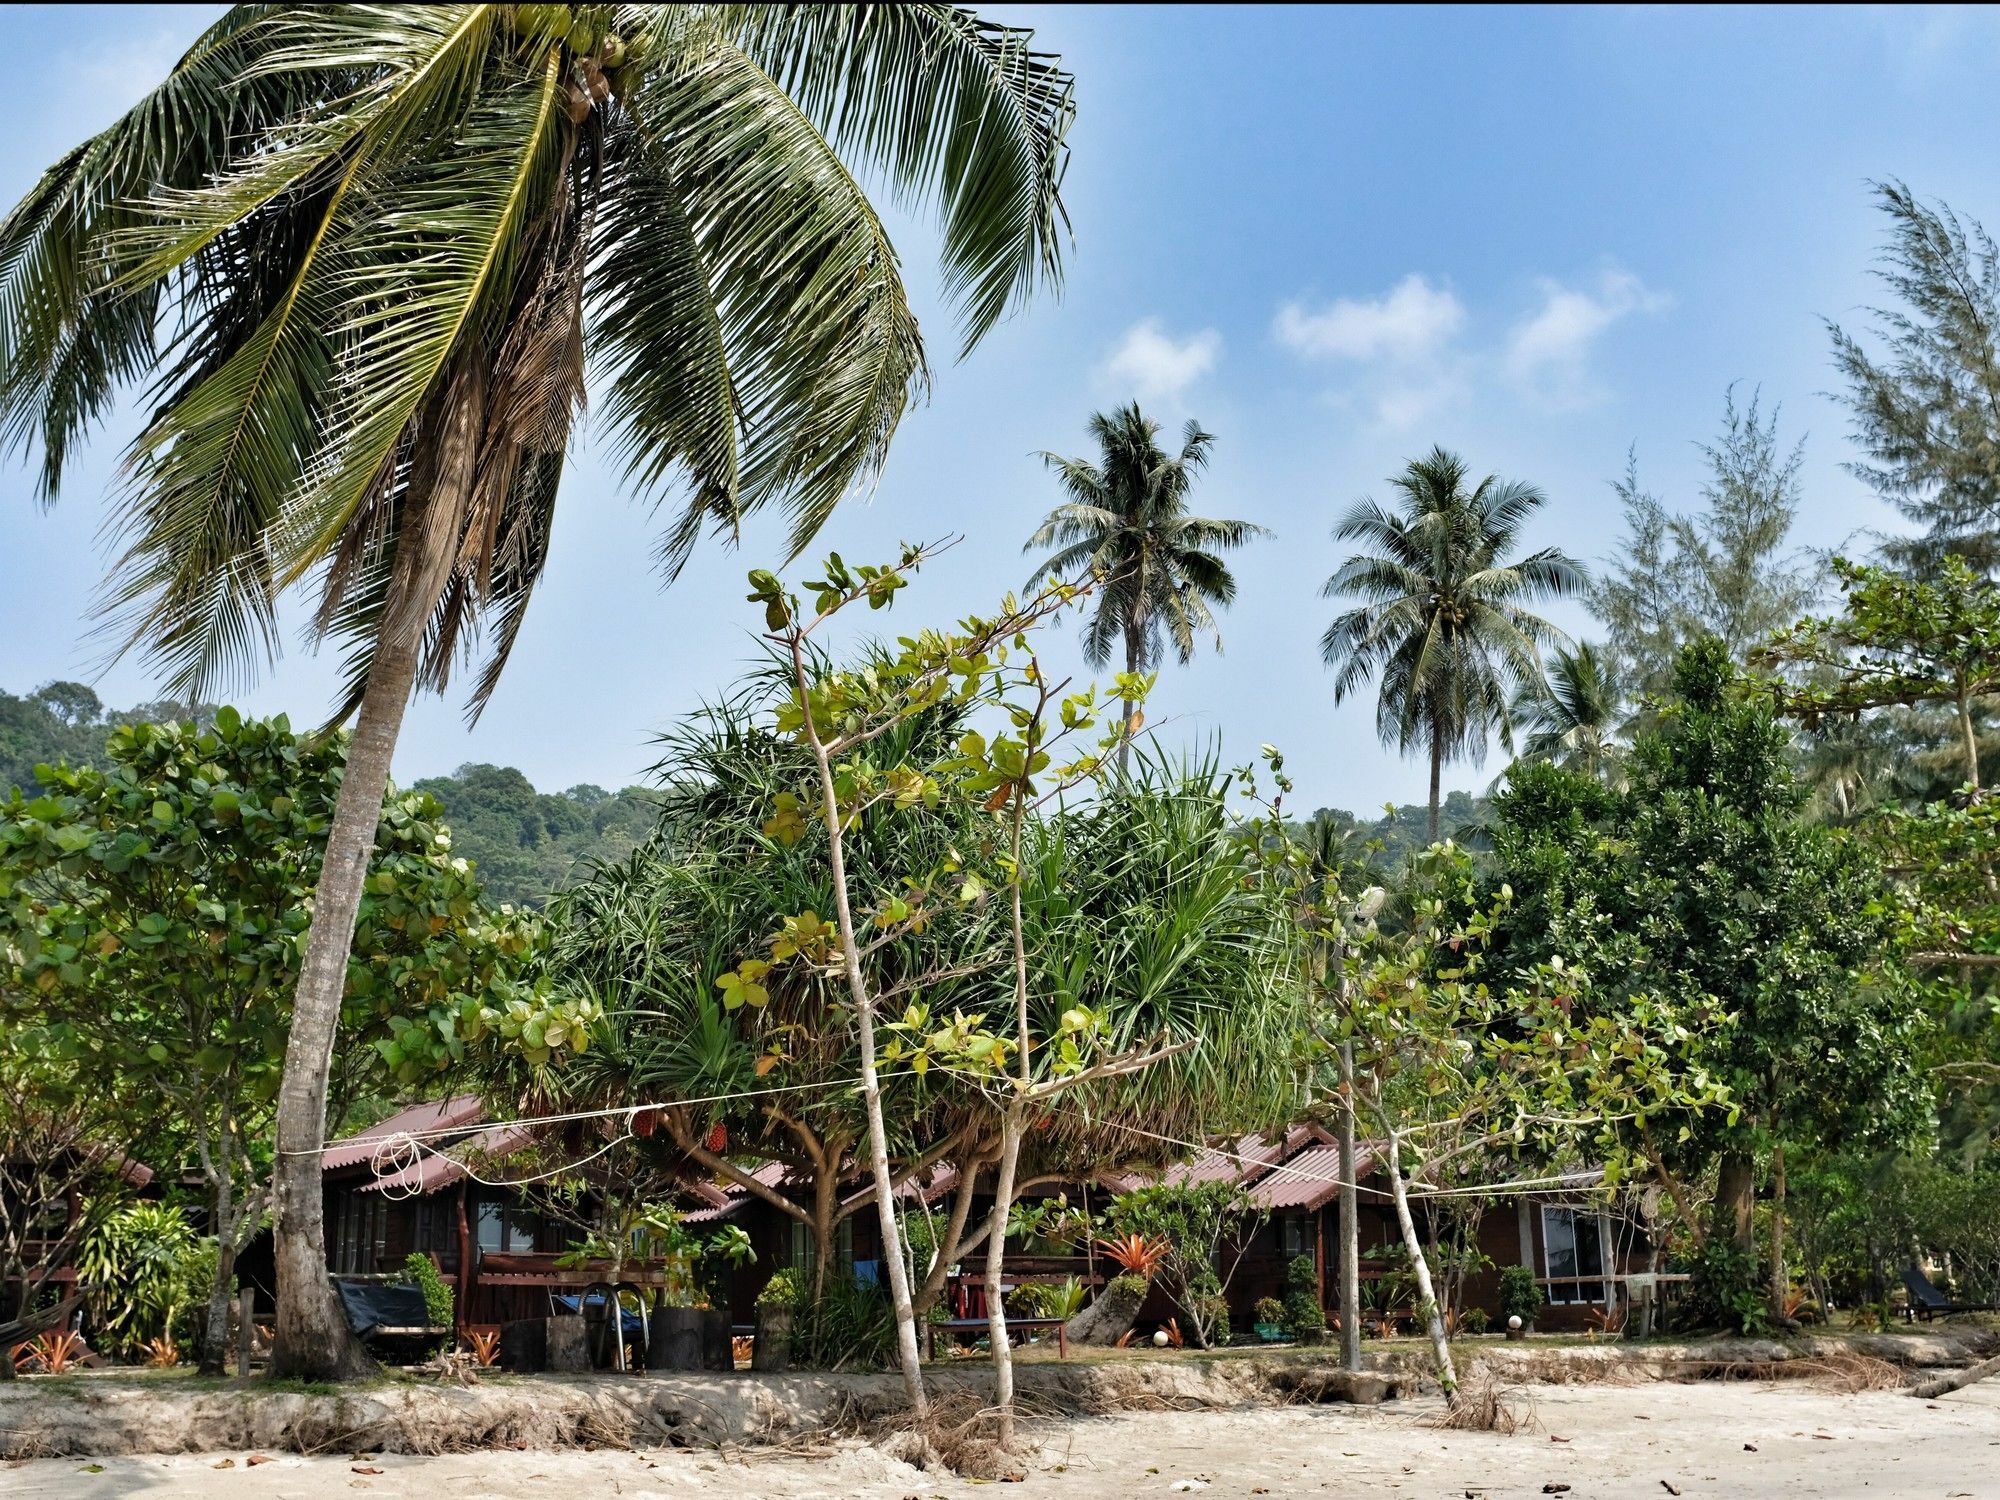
x,y
1295,1235
1573,1257
505,1229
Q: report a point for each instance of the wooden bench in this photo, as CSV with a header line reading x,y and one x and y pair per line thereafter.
x,y
954,1327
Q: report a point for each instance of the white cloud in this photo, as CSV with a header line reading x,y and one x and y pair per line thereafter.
x,y
1548,352
1158,366
1409,322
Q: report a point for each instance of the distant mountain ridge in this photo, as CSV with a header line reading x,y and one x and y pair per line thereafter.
x,y
526,844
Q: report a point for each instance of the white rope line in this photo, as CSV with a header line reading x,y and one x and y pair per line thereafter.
x,y
399,1153
363,1138
1302,1175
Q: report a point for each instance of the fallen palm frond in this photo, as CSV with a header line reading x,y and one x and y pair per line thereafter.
x,y
956,1435
1483,1404
1834,1371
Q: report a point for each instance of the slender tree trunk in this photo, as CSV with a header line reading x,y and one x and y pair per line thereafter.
x,y
1781,1284
1971,739
214,1353
996,1266
823,1227
1437,779
1350,1219
909,1355
1426,1293
1736,1199
1135,650
312,1340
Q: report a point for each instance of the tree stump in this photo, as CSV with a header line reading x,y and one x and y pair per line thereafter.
x,y
1109,1318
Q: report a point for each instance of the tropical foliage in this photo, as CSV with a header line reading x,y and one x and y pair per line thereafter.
x,y
1440,620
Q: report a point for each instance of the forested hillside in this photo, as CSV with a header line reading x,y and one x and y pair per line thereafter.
x,y
525,843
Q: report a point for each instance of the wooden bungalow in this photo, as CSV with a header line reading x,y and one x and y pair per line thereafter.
x,y
497,1252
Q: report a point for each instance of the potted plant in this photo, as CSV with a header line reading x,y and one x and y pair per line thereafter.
x,y
1520,1297
776,1304
1270,1320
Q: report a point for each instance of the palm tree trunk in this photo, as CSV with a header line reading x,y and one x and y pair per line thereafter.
x,y
1437,775
312,1340
1350,1220
1971,739
1135,650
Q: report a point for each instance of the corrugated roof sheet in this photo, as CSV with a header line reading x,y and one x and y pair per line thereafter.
x,y
1309,1180
435,1171
433,1114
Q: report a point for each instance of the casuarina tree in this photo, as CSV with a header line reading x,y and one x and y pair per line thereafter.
x,y
366,261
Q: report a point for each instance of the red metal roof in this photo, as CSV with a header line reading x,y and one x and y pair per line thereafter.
x,y
461,1111
1309,1180
434,1171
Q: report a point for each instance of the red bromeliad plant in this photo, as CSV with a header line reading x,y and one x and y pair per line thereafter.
x,y
1136,1253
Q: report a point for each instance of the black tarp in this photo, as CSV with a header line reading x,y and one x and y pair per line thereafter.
x,y
382,1304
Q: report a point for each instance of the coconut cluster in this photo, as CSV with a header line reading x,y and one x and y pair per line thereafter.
x,y
598,54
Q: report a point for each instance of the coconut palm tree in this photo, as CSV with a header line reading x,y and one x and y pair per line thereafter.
x,y
366,260
1574,717
1441,619
1127,522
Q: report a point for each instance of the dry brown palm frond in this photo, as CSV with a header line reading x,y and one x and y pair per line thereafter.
x,y
1483,1404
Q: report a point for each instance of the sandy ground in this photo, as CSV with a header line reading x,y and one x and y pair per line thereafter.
x,y
1611,1441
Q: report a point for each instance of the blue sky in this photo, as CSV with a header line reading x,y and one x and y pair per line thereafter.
x,y
1540,237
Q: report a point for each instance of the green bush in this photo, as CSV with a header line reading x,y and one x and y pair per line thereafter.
x,y
1132,1283
1303,1314
851,1327
1048,1299
784,1289
1271,1312
1520,1294
147,1273
439,1302
1474,1320
1725,1290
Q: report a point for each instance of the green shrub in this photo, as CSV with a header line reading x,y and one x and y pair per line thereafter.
x,y
1474,1320
439,1303
1520,1294
1271,1312
148,1273
784,1289
851,1327
1725,1290
1303,1314
1048,1299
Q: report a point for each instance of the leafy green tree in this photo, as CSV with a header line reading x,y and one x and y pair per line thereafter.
x,y
1127,523
1575,717
363,257
1442,621
1926,401
1702,886
1900,640
1726,570
154,914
